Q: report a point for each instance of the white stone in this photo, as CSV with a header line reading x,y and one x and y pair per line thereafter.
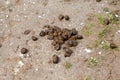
x,y
116,15
99,52
88,50
118,31
20,63
36,69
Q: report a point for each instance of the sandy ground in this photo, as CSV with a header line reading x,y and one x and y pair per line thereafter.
x,y
16,16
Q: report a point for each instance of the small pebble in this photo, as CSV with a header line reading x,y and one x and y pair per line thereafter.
x,y
55,59
0,45
106,22
98,0
50,37
115,18
72,43
67,18
24,50
74,31
10,10
113,45
47,26
26,32
68,52
61,17
79,36
42,33
34,38
57,47
50,31
54,43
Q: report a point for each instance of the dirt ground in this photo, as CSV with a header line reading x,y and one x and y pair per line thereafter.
x,y
91,60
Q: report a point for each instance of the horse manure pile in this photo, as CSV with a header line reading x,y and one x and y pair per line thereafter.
x,y
61,39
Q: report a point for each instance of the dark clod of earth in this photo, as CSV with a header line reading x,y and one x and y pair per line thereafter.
x,y
42,33
67,51
67,18
62,37
57,47
106,21
26,32
113,45
98,0
72,43
24,50
0,45
60,17
34,38
55,59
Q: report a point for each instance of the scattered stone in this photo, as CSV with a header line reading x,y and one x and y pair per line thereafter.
x,y
54,43
26,32
47,26
68,52
115,18
50,37
34,38
61,17
113,45
10,10
67,18
57,47
98,0
79,36
88,50
55,59
72,43
42,33
0,45
24,50
74,31
106,22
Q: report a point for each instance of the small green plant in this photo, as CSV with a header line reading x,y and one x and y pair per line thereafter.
x,y
103,33
68,65
88,30
100,18
92,61
87,77
113,19
105,45
106,9
97,42
110,16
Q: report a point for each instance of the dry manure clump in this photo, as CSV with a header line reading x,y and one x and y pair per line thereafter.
x,y
61,39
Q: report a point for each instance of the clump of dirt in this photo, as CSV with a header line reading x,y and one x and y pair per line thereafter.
x,y
55,59
113,45
98,0
0,45
26,32
61,17
62,38
24,50
34,38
